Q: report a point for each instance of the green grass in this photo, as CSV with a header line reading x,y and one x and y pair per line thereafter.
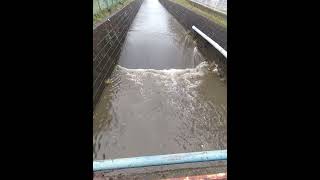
x,y
103,14
214,16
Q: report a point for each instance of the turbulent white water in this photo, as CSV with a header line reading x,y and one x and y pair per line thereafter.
x,y
168,82
176,103
172,110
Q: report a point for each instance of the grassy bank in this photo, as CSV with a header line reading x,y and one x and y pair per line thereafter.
x,y
213,16
103,14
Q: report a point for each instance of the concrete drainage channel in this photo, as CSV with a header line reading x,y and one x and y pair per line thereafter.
x,y
108,39
109,36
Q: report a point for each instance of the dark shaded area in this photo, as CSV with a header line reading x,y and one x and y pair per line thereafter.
x,y
108,38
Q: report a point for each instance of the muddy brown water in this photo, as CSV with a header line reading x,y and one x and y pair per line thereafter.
x,y
162,97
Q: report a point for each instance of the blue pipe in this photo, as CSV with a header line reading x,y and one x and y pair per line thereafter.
x,y
156,160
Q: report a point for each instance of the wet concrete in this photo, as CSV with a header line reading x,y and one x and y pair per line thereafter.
x,y
162,97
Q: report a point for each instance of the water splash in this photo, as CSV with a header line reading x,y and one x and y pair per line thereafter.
x,y
179,109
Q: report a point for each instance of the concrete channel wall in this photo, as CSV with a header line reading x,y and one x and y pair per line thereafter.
x,y
217,33
108,38
189,18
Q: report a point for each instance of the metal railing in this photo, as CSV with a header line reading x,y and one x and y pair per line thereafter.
x,y
158,160
212,42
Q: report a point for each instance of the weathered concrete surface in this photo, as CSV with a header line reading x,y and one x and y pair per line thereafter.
x,y
108,38
164,172
189,18
217,33
218,176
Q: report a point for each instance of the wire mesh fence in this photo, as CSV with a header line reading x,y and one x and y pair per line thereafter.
x,y
215,4
99,5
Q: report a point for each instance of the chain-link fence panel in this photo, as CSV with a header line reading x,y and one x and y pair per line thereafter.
x,y
99,5
215,4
